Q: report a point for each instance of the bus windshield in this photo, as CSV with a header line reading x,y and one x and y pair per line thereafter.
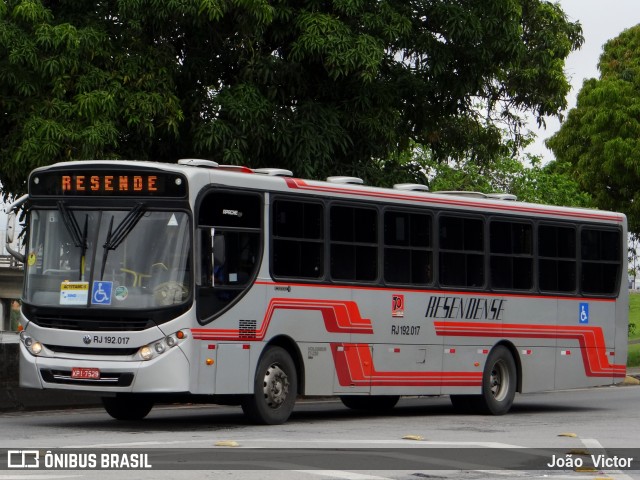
x,y
131,259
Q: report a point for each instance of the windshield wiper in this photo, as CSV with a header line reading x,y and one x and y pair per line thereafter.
x,y
124,228
78,236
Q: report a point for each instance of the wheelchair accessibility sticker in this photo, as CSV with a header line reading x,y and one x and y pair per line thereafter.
x,y
101,293
583,315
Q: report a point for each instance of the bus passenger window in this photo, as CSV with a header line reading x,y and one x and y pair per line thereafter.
x,y
511,260
557,258
461,251
353,243
408,256
298,239
600,255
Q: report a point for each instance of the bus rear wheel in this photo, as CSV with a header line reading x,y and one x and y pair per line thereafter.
x,y
275,388
498,386
370,402
127,407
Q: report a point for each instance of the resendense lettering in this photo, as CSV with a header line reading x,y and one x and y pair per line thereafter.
x,y
466,308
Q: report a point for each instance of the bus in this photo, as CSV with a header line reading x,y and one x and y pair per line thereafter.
x,y
153,282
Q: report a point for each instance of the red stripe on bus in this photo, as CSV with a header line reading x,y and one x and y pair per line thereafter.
x,y
299,184
340,316
591,340
354,367
355,363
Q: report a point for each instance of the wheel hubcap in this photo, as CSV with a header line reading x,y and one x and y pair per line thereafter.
x,y
276,386
499,381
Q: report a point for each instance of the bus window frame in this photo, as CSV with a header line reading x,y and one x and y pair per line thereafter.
x,y
329,242
533,256
483,218
200,287
580,260
435,214
575,226
431,249
273,239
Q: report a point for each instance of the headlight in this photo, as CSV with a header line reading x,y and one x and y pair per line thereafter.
x,y
35,348
146,353
158,348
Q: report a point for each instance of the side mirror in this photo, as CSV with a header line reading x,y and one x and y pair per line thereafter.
x,y
11,228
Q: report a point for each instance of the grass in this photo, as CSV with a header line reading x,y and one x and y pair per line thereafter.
x,y
633,357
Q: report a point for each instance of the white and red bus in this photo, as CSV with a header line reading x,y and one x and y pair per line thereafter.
x,y
149,282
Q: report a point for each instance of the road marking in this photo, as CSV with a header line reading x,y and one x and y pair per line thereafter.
x,y
328,443
406,443
595,444
342,474
39,476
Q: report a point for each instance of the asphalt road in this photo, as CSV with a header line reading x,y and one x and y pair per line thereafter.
x,y
575,422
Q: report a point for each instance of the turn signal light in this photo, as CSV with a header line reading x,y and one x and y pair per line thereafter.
x,y
157,348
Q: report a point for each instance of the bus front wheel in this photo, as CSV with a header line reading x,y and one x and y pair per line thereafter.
x,y
275,388
498,386
127,407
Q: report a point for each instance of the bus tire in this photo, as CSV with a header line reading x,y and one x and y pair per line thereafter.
x,y
275,389
370,402
127,407
499,382
498,386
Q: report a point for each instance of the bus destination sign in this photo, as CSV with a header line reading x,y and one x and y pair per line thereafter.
x,y
125,183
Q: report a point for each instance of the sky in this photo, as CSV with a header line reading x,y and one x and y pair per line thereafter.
x,y
601,21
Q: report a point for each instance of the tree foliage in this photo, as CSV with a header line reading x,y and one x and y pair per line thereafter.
x,y
526,178
320,87
600,139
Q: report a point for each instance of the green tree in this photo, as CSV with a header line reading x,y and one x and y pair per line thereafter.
x,y
526,178
319,87
632,257
71,89
600,138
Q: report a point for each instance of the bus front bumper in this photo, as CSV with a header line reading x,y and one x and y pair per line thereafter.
x,y
166,373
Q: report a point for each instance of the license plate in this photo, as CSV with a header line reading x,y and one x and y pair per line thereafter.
x,y
85,373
